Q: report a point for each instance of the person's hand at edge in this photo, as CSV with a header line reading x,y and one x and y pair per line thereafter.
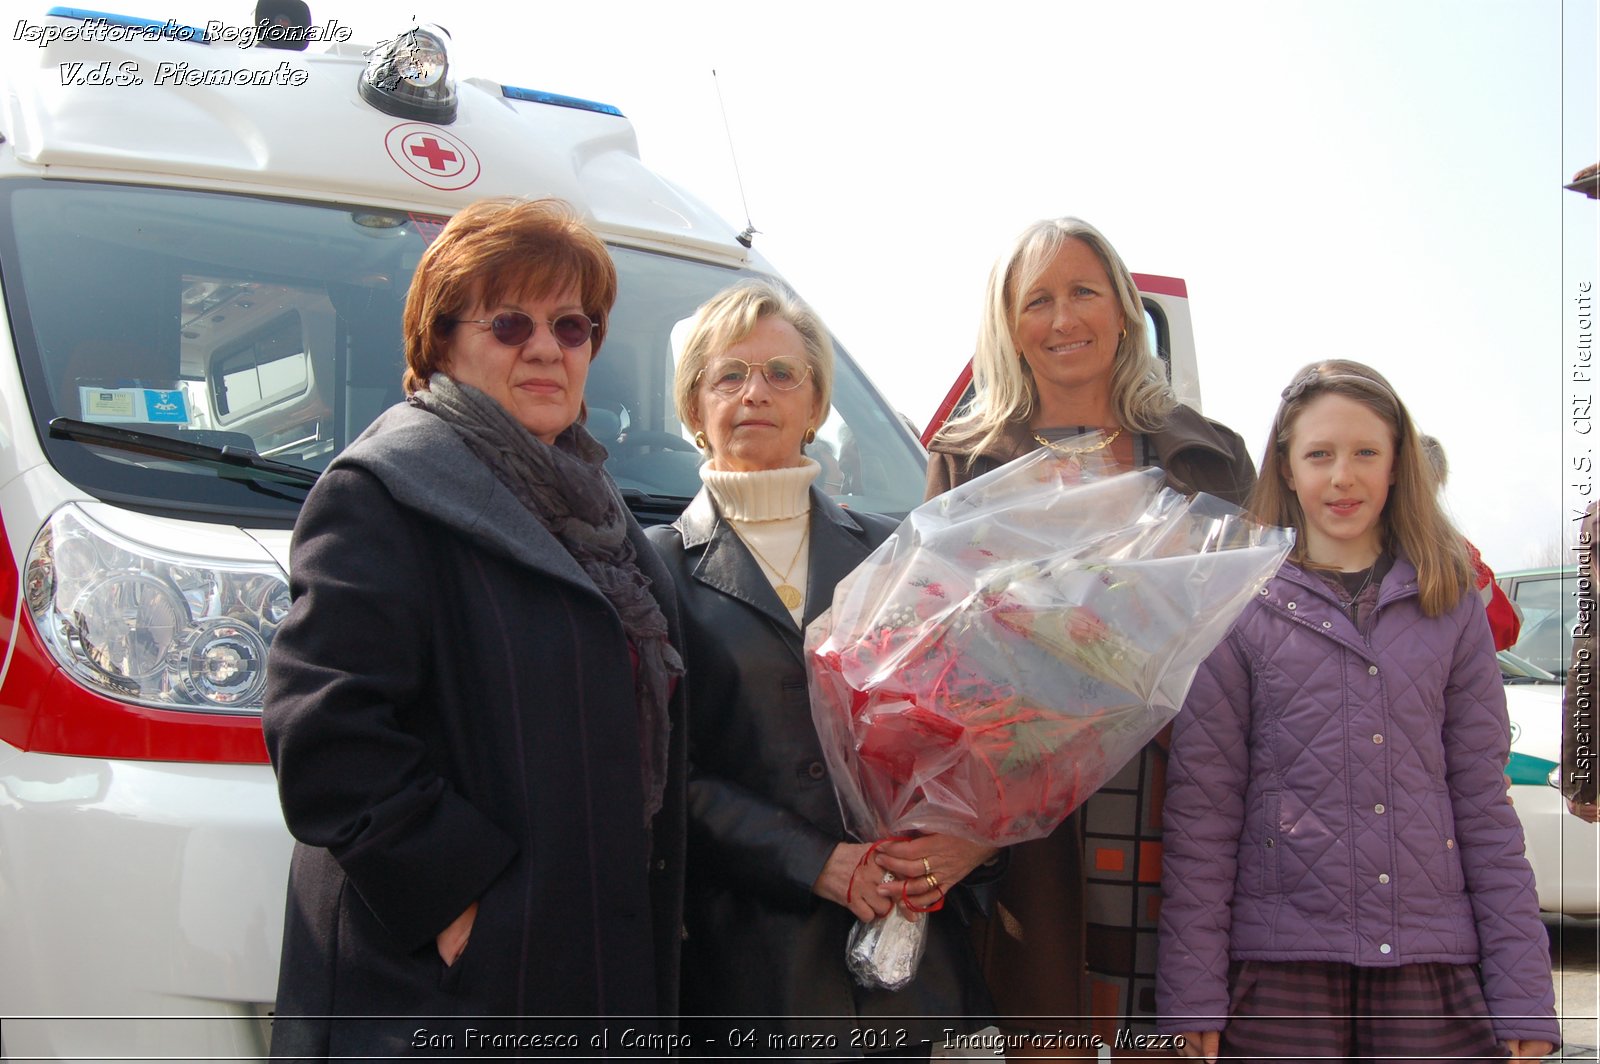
x,y
453,939
1200,1044
1531,1050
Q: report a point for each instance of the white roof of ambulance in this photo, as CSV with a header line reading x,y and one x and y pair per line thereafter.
x,y
308,133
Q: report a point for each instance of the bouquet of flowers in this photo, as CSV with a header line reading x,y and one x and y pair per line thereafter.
x,y
1011,647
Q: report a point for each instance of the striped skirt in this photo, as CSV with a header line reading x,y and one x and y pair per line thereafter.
x,y
1297,1010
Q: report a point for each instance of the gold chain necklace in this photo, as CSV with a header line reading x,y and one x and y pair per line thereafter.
x,y
788,594
1073,451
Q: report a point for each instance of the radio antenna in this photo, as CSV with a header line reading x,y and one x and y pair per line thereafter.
x,y
750,229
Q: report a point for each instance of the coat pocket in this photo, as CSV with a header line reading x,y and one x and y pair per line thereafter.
x,y
488,959
450,974
1268,812
1448,854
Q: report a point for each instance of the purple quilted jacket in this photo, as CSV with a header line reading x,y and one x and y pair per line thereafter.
x,y
1336,797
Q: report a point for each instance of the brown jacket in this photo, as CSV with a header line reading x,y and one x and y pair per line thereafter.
x,y
1578,719
1198,455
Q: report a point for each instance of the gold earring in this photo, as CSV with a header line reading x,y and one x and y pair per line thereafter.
x,y
701,442
1124,332
810,436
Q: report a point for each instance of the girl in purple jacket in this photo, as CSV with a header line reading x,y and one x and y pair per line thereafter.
x,y
1344,875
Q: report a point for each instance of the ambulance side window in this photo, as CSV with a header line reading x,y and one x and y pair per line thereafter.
x,y
263,369
1159,334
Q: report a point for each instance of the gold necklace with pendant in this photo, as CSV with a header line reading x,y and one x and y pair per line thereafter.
x,y
1074,451
788,594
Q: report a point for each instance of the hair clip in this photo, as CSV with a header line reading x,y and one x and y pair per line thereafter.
x,y
1315,375
1301,383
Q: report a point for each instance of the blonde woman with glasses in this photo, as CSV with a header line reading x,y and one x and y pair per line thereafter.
x,y
775,883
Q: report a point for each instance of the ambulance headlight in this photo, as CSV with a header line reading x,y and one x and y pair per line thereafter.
x,y
150,626
224,664
409,77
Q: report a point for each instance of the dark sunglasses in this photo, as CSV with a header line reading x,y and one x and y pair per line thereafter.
x,y
514,328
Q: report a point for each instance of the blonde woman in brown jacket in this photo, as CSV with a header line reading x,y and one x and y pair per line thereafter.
x,y
1069,941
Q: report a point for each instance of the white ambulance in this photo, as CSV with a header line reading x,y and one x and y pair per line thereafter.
x,y
204,252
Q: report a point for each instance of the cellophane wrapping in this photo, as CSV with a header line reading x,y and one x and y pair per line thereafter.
x,y
885,952
1017,641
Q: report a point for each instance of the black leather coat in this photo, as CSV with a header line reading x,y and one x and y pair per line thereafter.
x,y
763,817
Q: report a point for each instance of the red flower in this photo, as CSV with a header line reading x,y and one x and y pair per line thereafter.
x,y
1085,626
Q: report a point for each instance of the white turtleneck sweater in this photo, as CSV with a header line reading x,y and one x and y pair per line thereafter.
x,y
771,512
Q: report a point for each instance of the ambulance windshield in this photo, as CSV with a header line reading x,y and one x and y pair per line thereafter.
x,y
273,327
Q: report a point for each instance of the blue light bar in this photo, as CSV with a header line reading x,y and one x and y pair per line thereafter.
x,y
171,29
511,92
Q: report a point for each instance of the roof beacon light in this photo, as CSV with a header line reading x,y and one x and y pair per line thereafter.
x,y
409,77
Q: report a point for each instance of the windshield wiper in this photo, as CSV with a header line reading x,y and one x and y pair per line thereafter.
x,y
642,496
153,443
651,509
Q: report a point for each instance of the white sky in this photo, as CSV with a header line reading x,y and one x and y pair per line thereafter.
x,y
1371,179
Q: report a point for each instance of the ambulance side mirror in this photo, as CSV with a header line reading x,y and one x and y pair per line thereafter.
x,y
283,24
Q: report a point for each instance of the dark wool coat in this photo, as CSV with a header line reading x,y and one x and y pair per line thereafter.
x,y
450,712
763,816
1041,973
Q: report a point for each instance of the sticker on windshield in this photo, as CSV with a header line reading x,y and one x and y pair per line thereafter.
x,y
134,405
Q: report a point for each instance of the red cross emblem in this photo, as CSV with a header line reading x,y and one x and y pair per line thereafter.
x,y
431,150
432,156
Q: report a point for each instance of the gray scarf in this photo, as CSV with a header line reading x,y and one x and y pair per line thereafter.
x,y
566,488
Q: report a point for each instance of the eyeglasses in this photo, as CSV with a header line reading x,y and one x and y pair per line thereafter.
x,y
729,375
513,328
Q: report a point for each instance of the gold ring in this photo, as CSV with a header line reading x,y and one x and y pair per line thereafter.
x,y
933,882
928,871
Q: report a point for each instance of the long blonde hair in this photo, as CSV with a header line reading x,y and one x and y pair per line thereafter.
x,y
1412,521
1004,389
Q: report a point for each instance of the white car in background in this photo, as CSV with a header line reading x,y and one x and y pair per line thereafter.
x,y
1546,598
1564,851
